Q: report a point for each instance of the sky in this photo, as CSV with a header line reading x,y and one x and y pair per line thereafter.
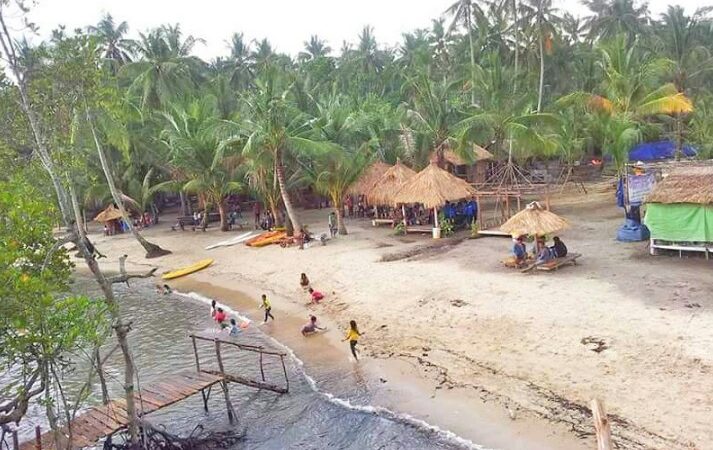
x,y
286,23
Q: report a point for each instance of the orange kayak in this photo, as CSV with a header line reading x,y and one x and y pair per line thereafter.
x,y
270,240
261,237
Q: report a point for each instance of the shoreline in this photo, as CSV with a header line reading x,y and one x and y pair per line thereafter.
x,y
463,341
399,384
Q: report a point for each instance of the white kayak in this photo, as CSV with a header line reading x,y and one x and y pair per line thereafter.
x,y
232,241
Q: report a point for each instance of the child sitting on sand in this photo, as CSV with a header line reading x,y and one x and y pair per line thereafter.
x,y
234,329
316,295
304,281
311,326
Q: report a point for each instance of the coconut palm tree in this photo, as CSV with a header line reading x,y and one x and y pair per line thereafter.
x,y
113,44
166,69
314,48
202,149
463,13
275,128
613,17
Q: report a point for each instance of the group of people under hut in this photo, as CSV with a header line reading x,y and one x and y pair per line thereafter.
x,y
461,213
541,253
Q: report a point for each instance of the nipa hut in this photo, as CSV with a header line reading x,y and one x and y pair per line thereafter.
x,y
473,167
390,183
433,187
110,218
534,220
369,178
679,210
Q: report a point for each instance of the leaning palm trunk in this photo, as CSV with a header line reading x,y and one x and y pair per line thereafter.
x,y
223,217
280,174
517,44
152,250
339,208
542,71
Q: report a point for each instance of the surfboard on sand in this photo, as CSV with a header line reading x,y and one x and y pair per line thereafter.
x,y
202,264
231,241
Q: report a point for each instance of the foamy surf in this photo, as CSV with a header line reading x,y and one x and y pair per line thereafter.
x,y
378,411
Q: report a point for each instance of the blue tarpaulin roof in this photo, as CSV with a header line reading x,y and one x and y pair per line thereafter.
x,y
653,151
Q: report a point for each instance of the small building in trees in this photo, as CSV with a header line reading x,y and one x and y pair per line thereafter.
x,y
472,167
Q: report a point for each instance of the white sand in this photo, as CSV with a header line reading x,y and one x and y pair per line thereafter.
x,y
516,339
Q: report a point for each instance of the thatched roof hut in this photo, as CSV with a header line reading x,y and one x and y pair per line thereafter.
x,y
433,187
110,213
384,191
478,154
680,207
534,220
685,185
369,178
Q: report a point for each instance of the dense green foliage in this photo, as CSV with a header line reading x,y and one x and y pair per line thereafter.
x,y
41,325
518,77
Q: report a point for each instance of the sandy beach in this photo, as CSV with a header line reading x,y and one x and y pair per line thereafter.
x,y
505,359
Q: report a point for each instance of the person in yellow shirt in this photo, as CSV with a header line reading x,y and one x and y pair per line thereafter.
x,y
353,336
268,307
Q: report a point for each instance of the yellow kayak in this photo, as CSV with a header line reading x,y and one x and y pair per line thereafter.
x,y
202,264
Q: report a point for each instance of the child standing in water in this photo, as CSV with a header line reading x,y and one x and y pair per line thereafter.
x,y
353,336
268,307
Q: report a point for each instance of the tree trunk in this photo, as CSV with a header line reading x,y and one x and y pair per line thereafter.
x,y
223,216
472,59
102,378
152,250
339,209
517,44
280,173
184,204
542,71
62,200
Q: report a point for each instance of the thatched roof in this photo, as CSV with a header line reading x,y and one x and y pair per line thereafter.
x,y
685,185
433,187
368,179
384,191
479,154
534,220
109,214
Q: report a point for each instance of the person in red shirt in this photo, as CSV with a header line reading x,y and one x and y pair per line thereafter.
x,y
220,317
316,295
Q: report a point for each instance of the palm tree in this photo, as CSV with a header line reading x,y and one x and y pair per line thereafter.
x,y
166,70
275,128
114,46
543,20
613,17
200,149
462,12
334,169
239,62
315,48
430,114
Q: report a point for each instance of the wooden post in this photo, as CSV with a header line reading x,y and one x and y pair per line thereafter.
x,y
547,196
601,425
15,441
223,383
195,352
519,206
262,371
480,212
38,438
435,217
284,370
403,213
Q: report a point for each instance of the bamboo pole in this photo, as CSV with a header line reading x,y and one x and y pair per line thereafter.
x,y
195,353
38,438
262,371
223,383
15,441
601,425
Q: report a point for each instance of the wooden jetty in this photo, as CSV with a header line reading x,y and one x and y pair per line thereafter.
x,y
100,421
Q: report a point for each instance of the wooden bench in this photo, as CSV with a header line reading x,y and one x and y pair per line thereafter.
x,y
654,246
559,262
417,229
377,222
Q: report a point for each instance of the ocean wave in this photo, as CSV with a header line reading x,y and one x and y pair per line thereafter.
x,y
378,411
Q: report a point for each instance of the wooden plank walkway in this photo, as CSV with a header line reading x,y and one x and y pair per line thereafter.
x,y
99,421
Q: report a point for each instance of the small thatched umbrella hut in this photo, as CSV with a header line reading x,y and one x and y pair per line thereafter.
x,y
679,210
534,220
433,187
390,183
110,217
